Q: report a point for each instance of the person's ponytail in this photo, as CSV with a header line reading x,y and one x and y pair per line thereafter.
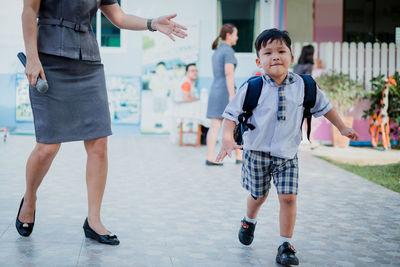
x,y
215,44
226,28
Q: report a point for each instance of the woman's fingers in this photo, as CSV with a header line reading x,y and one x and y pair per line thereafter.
x,y
179,33
171,16
32,79
180,26
42,75
29,78
33,70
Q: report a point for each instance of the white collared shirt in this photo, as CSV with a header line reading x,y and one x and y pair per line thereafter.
x,y
280,138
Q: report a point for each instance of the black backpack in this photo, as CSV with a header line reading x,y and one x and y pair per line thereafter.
x,y
253,93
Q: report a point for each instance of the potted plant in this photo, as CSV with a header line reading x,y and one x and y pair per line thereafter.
x,y
375,97
343,93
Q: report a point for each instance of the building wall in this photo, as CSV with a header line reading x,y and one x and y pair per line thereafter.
x,y
300,20
328,21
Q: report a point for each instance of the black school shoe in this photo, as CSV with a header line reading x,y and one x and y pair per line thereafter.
x,y
286,255
246,232
104,239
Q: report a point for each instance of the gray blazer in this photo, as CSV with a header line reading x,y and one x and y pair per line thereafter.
x,y
64,28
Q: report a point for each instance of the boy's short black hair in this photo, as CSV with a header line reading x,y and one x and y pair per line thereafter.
x,y
188,66
271,35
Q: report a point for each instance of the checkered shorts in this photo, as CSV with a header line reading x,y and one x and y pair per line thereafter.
x,y
259,167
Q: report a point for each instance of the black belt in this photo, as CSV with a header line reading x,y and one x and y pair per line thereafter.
x,y
65,23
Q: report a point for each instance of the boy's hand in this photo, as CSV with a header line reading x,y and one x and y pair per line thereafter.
x,y
350,133
227,147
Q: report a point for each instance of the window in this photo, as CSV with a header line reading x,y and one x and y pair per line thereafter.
x,y
245,15
370,20
110,36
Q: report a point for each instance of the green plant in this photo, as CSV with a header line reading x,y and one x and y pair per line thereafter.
x,y
343,92
375,97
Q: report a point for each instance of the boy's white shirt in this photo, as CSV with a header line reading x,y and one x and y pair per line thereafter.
x,y
280,138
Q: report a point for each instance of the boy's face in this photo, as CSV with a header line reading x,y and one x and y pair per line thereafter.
x,y
275,58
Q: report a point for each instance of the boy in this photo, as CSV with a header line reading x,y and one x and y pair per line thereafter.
x,y
270,150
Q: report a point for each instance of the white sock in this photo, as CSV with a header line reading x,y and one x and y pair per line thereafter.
x,y
254,221
285,239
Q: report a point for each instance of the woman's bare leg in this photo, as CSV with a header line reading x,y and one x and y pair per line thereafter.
x,y
96,175
212,136
36,168
239,155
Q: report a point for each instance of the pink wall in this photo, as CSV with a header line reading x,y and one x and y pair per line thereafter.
x,y
328,22
321,128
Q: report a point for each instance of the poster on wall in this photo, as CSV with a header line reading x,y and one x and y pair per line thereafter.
x,y
124,98
23,110
163,68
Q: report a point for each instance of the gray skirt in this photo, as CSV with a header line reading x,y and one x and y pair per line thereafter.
x,y
75,107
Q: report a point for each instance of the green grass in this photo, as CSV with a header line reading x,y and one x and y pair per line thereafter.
x,y
385,175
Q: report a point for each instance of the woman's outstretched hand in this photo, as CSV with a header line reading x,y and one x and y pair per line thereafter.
x,y
170,28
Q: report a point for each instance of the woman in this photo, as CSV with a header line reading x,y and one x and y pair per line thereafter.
x,y
223,87
306,61
61,47
305,65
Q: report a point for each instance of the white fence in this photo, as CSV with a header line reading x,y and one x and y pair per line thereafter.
x,y
362,61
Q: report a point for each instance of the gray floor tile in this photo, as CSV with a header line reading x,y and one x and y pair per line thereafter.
x,y
169,209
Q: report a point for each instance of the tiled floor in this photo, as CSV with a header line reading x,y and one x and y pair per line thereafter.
x,y
169,209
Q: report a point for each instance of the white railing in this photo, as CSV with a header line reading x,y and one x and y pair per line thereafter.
x,y
362,61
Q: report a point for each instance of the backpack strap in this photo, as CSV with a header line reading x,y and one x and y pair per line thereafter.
x,y
310,97
253,93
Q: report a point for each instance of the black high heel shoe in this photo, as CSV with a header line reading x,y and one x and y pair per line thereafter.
x,y
105,239
24,229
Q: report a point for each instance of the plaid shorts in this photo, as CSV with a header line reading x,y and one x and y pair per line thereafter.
x,y
259,167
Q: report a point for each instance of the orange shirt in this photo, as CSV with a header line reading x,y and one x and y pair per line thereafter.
x,y
186,86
